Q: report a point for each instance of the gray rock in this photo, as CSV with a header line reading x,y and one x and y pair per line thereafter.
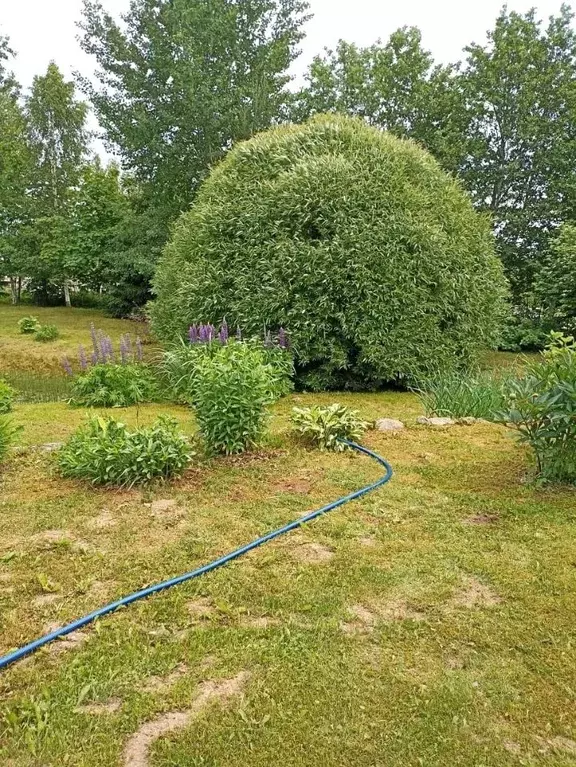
x,y
50,447
468,420
438,423
389,424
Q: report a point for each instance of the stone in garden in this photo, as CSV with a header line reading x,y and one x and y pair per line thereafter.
x,y
436,422
50,447
468,420
389,424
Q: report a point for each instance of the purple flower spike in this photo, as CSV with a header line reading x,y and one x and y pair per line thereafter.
x,y
123,351
94,337
139,352
283,340
94,358
193,334
203,333
67,366
211,332
82,358
223,334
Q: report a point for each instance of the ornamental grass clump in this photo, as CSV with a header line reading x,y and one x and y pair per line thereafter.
x,y
232,387
106,452
355,240
326,427
541,406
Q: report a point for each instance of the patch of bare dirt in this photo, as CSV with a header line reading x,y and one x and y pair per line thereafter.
x,y
312,553
49,539
482,519
367,541
97,709
159,684
138,746
104,520
296,485
400,610
559,744
68,642
365,617
45,599
363,620
201,609
474,594
512,747
258,622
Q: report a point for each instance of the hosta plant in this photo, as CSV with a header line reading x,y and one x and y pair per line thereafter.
x,y
28,325
106,452
326,427
46,333
542,408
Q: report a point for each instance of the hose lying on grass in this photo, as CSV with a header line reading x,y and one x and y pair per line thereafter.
x,y
21,652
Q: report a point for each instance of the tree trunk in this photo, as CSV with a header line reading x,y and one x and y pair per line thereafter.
x,y
14,290
67,300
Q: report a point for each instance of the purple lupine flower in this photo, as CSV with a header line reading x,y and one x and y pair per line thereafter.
x,y
238,333
67,366
94,358
211,332
109,348
193,334
283,340
102,348
223,334
139,351
123,351
203,333
94,337
82,358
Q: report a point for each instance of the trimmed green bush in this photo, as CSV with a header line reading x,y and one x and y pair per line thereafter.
x,y
106,452
46,333
325,427
232,387
111,385
28,325
7,394
355,241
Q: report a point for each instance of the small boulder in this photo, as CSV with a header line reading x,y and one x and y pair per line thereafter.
x,y
51,447
389,424
468,420
438,423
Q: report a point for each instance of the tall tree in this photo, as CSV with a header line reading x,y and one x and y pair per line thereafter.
x,y
520,92
59,141
181,80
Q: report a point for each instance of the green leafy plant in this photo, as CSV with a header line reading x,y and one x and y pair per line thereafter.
x,y
28,325
112,385
325,427
231,390
106,452
461,394
289,231
46,333
541,406
7,433
7,394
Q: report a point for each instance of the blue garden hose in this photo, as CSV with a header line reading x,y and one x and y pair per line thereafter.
x,y
12,657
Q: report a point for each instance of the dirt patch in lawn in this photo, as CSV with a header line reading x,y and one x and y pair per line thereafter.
x,y
138,746
97,709
312,553
201,609
295,485
474,594
160,684
365,617
482,519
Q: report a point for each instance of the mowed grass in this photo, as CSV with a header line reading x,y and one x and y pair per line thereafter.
x,y
21,355
430,623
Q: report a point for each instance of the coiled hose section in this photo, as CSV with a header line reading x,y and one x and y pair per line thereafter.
x,y
22,652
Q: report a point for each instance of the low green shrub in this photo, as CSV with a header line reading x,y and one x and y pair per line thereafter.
x,y
112,385
231,390
541,406
28,324
325,427
7,395
7,433
460,394
46,333
106,452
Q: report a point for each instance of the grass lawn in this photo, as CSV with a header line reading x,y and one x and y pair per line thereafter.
x,y
21,354
431,623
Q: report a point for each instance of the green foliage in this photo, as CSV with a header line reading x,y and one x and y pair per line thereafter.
x,y
524,333
458,394
325,427
7,395
105,452
34,387
232,387
46,333
28,324
219,66
111,385
542,408
289,231
556,283
7,433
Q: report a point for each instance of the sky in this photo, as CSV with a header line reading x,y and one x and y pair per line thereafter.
x,y
45,30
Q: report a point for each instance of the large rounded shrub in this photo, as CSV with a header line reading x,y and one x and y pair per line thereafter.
x,y
355,241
